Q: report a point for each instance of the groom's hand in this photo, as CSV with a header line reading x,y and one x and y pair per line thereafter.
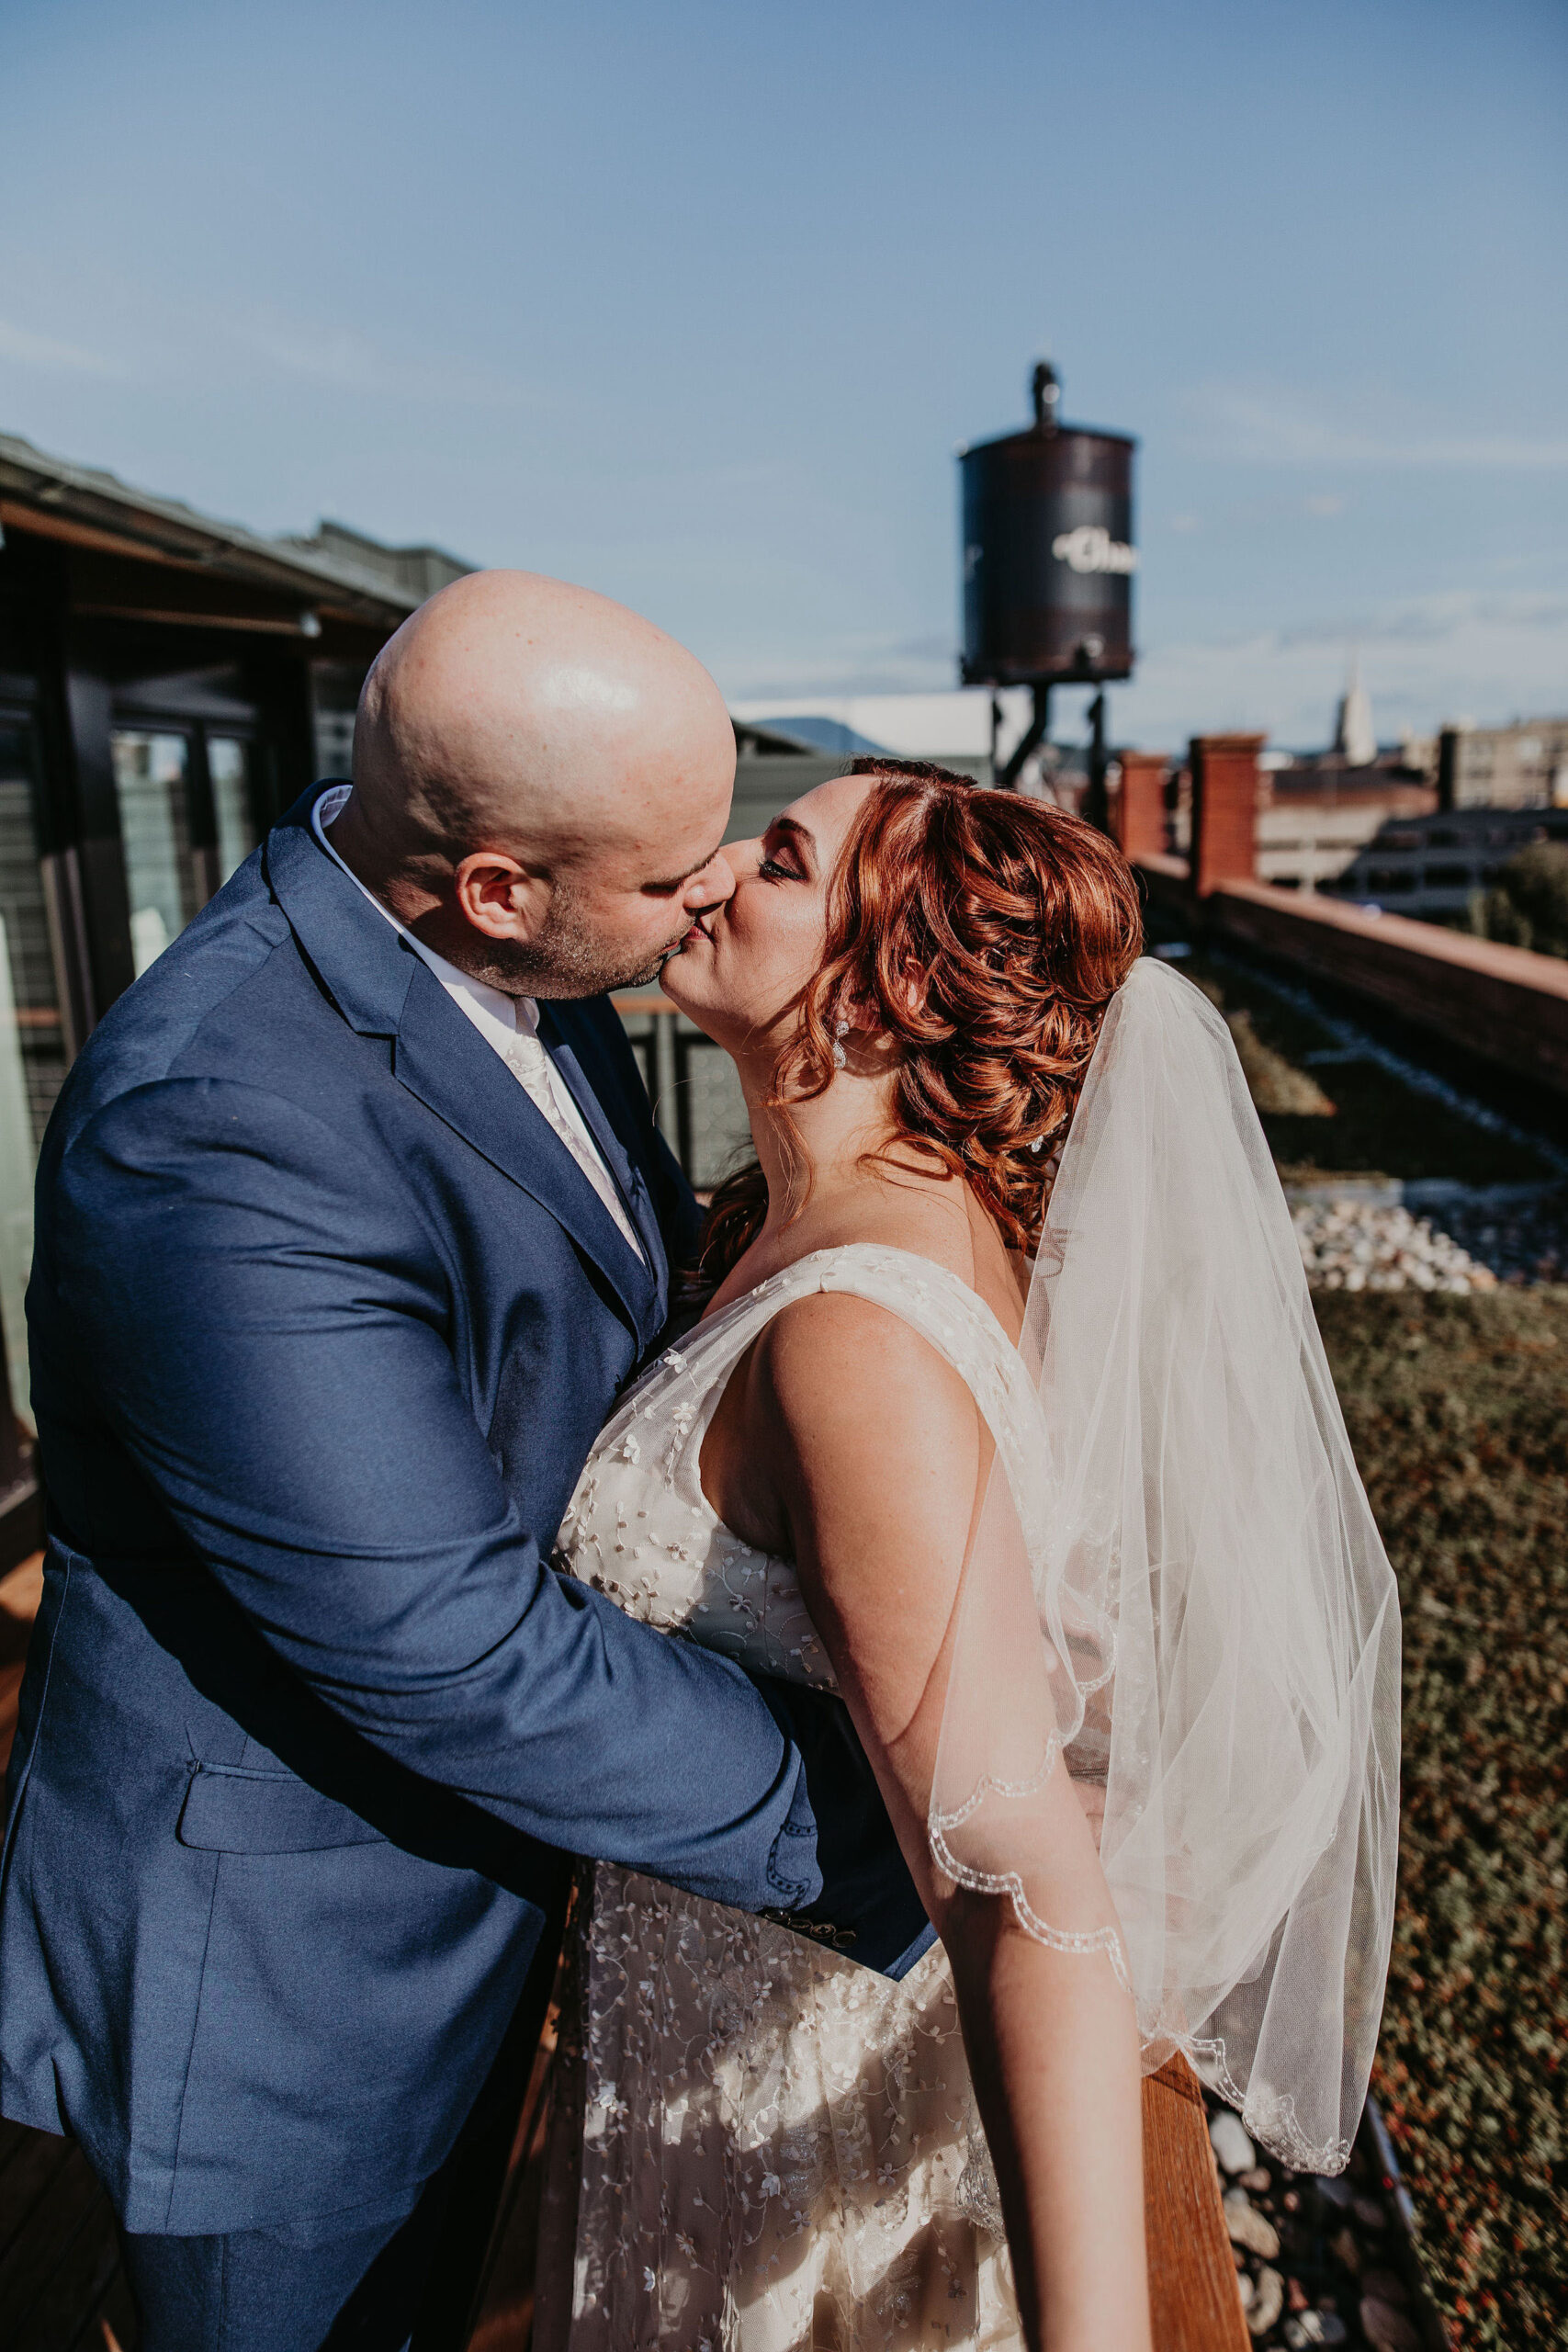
x,y
868,1910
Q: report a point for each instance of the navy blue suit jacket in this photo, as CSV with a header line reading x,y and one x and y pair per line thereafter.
x,y
324,1321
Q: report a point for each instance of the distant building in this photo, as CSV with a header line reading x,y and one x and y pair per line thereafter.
x,y
1523,765
1432,865
409,573
413,573
1316,812
1354,739
1314,815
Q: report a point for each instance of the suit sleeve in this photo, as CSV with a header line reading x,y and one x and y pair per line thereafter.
x,y
261,1318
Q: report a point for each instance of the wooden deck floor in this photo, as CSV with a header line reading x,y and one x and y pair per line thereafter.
x,y
61,2289
61,2285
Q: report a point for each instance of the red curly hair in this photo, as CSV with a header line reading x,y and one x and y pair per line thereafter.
x,y
987,934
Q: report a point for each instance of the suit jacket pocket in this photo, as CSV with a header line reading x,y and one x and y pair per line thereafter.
x,y
231,1811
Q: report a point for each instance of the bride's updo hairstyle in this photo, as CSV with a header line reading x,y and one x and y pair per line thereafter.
x,y
986,935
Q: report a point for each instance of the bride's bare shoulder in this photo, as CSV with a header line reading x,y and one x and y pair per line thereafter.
x,y
848,1389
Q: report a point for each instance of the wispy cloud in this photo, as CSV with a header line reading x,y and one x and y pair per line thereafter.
x,y
334,355
1484,655
854,665
1283,428
44,352
1440,619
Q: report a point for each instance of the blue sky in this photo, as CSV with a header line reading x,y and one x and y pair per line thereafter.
x,y
694,302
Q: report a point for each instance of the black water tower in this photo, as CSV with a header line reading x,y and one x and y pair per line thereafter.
x,y
1048,560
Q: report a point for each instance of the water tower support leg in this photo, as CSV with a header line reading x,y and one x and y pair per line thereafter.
x,y
1028,742
1097,804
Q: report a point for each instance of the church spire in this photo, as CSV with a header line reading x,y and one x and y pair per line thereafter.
x,y
1354,738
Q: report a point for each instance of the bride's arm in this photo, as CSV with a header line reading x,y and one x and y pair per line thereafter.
x,y
872,1451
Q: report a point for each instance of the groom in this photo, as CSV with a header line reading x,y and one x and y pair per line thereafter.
x,y
352,1223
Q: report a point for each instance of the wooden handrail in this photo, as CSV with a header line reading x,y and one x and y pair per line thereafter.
x,y
643,1003
1504,1005
1192,2282
1521,968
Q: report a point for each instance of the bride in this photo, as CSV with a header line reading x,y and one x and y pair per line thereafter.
x,y
1132,1701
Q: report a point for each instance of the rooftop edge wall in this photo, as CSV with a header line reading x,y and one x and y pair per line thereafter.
x,y
1503,1004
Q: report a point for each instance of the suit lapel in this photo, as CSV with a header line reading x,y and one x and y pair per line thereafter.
x,y
382,988
442,1059
567,1035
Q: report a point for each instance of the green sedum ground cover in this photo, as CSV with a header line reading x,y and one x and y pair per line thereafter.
x,y
1458,1409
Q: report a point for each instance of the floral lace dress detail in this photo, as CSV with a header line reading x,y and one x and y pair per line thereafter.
x,y
756,2145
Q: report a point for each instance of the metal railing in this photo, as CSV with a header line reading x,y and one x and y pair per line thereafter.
x,y
692,1084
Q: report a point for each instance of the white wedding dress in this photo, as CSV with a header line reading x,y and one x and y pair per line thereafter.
x,y
756,2145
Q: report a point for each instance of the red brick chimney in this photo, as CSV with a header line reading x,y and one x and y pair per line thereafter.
x,y
1224,809
1139,818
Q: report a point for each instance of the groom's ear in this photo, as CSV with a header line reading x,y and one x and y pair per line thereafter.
x,y
500,896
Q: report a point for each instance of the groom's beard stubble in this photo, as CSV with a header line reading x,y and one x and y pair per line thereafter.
x,y
567,960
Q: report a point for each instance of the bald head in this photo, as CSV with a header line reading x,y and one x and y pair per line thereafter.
x,y
515,710
568,742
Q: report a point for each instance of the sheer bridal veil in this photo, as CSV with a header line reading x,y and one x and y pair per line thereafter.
x,y
1175,1585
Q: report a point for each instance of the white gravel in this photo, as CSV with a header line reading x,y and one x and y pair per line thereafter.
x,y
1363,1245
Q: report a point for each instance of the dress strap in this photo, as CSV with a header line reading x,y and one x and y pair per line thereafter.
x,y
935,1302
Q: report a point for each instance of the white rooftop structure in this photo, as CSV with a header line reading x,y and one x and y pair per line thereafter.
x,y
951,725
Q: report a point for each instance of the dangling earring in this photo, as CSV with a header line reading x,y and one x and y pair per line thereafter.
x,y
1037,1144
840,1031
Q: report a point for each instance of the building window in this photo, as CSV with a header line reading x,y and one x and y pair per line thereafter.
x,y
152,780
229,766
32,1037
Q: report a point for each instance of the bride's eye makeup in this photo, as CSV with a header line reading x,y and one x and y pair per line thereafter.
x,y
787,860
